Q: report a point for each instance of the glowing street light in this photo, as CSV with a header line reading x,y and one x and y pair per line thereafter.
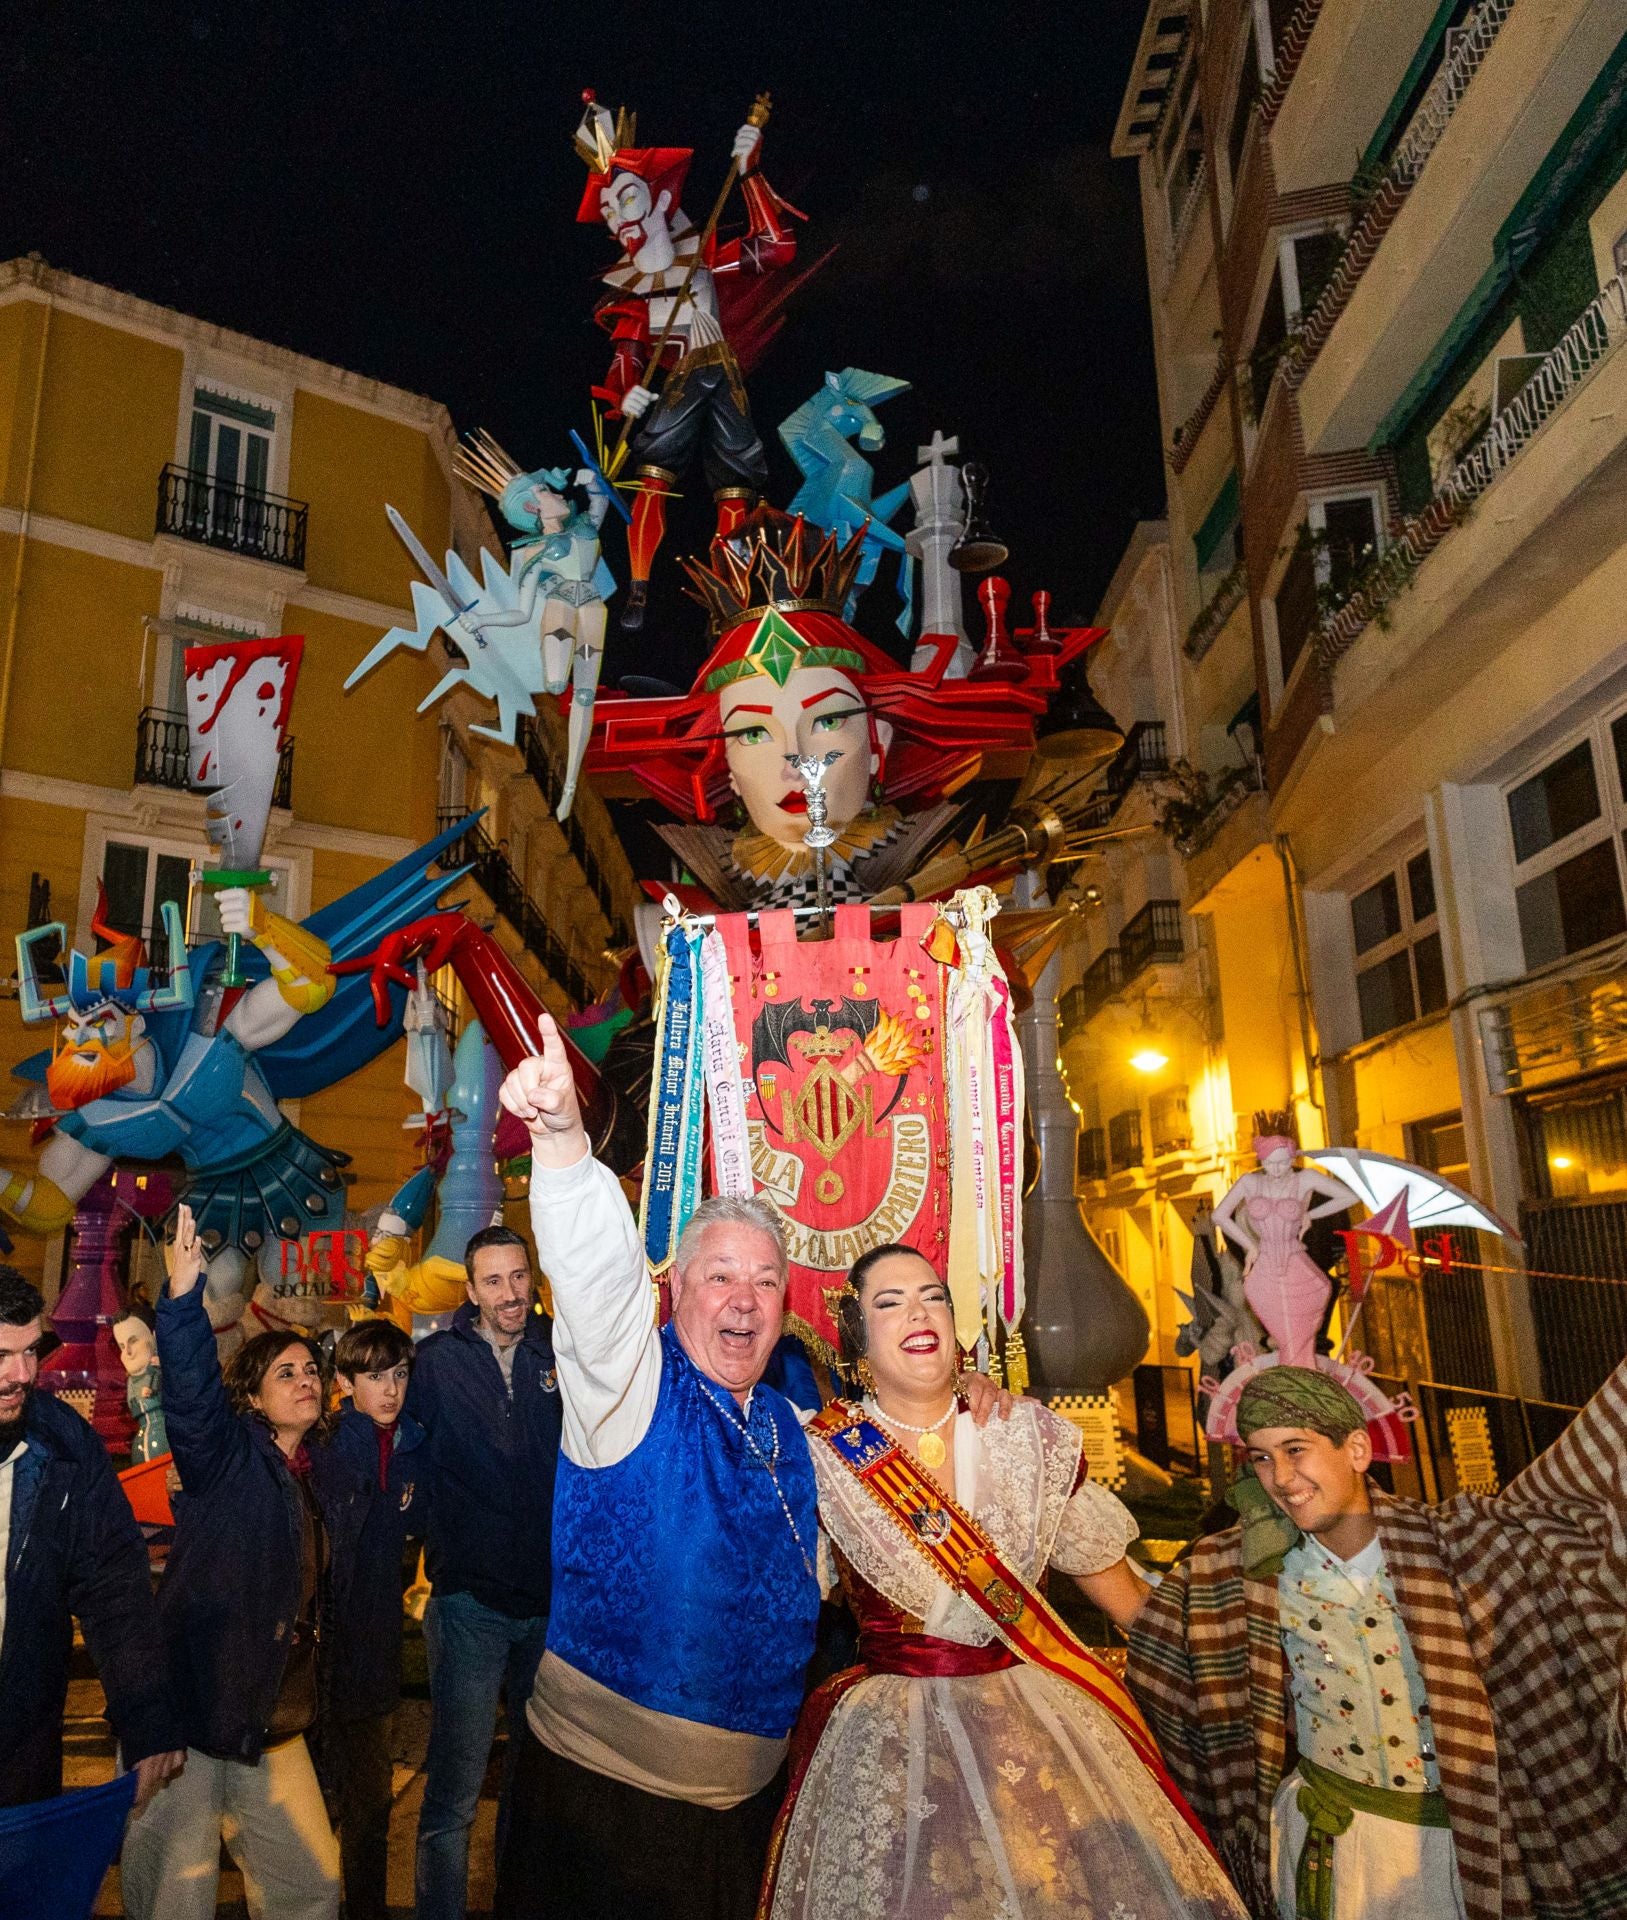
x,y
1149,1057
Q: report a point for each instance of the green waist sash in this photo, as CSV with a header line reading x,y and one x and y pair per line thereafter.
x,y
1329,1803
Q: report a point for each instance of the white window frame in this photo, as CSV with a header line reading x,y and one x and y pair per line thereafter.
x,y
454,756
287,895
1610,823
1412,931
1293,302
1220,135
244,379
191,625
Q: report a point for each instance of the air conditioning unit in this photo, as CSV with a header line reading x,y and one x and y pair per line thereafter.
x,y
1171,1122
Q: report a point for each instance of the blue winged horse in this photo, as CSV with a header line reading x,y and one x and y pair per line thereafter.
x,y
836,478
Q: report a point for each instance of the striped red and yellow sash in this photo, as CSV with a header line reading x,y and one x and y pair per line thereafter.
x,y
963,1556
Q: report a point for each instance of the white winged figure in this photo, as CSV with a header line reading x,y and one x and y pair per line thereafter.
x,y
1426,1200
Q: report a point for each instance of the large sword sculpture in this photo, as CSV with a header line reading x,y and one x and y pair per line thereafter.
x,y
238,697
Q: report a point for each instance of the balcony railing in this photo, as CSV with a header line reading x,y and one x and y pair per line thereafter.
x,y
1143,752
1091,1160
549,783
1154,934
1590,339
1103,978
265,526
1180,228
161,755
1290,49
1187,433
1124,1140
475,849
1228,595
1465,59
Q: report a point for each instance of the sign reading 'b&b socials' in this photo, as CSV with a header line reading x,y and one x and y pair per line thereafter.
x,y
842,1056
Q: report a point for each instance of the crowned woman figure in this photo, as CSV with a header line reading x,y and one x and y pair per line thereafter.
x,y
979,1761
1265,1214
788,678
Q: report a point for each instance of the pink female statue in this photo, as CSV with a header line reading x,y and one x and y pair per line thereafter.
x,y
1266,1214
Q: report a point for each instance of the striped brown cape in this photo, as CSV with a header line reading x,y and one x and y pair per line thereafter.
x,y
1517,1611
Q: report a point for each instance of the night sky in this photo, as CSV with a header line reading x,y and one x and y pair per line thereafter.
x,y
392,187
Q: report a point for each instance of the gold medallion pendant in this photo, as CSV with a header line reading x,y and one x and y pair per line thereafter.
x,y
931,1451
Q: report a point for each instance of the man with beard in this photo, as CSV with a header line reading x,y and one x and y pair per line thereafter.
x,y
69,1548
149,1062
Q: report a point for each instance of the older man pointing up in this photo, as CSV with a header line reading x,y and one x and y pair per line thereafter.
x,y
685,1593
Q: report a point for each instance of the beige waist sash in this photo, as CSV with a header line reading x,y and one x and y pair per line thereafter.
x,y
584,1722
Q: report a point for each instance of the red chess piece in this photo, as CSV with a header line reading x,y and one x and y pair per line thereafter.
x,y
1039,638
999,659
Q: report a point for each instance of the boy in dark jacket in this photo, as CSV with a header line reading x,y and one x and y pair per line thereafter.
x,y
69,1546
381,1447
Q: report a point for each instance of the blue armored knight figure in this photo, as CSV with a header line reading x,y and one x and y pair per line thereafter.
x,y
154,1060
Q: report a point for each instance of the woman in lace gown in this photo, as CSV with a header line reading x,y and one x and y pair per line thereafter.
x,y
953,1779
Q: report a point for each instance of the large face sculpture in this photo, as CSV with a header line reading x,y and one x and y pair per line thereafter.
x,y
767,727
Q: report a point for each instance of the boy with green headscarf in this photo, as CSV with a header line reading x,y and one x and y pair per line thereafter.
x,y
1392,1712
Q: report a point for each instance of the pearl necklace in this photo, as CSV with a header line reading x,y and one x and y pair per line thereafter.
x,y
929,1449
768,1462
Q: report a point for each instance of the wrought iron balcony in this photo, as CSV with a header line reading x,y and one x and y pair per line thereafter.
x,y
161,755
1124,1140
1154,934
1102,979
476,850
265,526
1091,1160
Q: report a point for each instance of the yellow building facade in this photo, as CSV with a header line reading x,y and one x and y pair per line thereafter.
x,y
1387,262
164,482
1181,1007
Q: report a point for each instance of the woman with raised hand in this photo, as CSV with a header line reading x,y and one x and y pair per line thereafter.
x,y
979,1761
263,1508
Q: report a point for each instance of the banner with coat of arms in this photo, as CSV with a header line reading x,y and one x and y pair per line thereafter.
x,y
841,1051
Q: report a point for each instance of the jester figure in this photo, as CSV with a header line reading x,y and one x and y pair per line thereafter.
x,y
153,1061
705,299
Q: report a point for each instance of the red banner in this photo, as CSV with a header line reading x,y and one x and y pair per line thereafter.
x,y
842,1057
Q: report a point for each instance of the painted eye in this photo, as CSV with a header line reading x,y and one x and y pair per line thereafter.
x,y
829,722
749,736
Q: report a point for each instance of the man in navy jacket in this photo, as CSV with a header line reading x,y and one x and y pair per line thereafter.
x,y
485,1393
69,1546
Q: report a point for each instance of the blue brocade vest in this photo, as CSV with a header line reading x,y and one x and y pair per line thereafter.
x,y
677,1581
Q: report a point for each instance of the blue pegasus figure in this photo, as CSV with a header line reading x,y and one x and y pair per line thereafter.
x,y
836,478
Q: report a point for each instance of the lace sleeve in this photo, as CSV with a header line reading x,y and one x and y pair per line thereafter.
x,y
1096,1528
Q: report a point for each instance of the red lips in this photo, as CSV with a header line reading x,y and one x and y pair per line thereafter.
x,y
794,803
